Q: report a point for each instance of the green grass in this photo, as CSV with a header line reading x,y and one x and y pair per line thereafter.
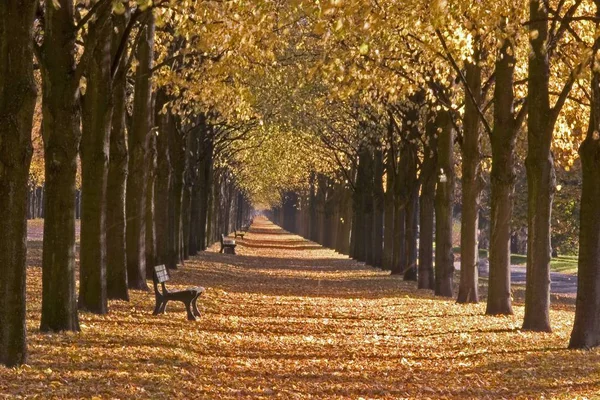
x,y
518,259
564,264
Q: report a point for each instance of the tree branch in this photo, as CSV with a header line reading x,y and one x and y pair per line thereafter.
x,y
123,42
560,102
90,14
487,126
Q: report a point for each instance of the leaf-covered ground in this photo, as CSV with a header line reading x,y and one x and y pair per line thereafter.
x,y
287,319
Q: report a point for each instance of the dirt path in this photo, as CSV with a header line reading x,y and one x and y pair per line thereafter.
x,y
288,319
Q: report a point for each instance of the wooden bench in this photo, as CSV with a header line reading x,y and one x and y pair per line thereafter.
x,y
243,230
227,245
189,297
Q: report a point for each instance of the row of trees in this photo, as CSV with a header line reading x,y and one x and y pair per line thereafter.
x,y
426,94
376,107
154,188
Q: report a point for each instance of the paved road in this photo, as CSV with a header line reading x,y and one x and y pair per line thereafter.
x,y
562,284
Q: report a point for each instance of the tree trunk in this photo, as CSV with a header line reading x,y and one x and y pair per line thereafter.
x,y
334,203
162,184
586,329
138,145
378,209
229,201
94,152
177,156
321,204
328,213
426,209
17,105
306,217
193,245
412,219
40,202
314,219
411,157
186,202
345,224
212,197
116,261
388,236
503,184
61,133
205,189
363,207
400,199
444,202
541,178
186,206
289,211
150,245
195,166
368,204
471,185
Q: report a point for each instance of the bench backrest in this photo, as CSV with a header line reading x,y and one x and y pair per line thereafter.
x,y
161,273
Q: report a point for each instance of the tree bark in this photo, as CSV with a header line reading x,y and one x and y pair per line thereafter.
x,y
426,278
400,200
345,224
334,203
163,179
138,146
541,179
363,207
586,329
321,204
444,202
228,206
212,200
150,246
471,184
314,219
116,261
328,215
289,211
177,156
97,108
388,235
188,183
368,204
411,157
17,105
378,208
195,166
412,220
61,134
503,179
205,188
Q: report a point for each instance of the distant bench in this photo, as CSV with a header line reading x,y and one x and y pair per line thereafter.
x,y
189,297
243,230
227,245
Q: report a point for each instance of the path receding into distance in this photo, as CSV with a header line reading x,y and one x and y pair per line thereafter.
x,y
334,328
285,318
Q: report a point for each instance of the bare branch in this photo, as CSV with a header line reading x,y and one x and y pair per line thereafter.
x,y
487,126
